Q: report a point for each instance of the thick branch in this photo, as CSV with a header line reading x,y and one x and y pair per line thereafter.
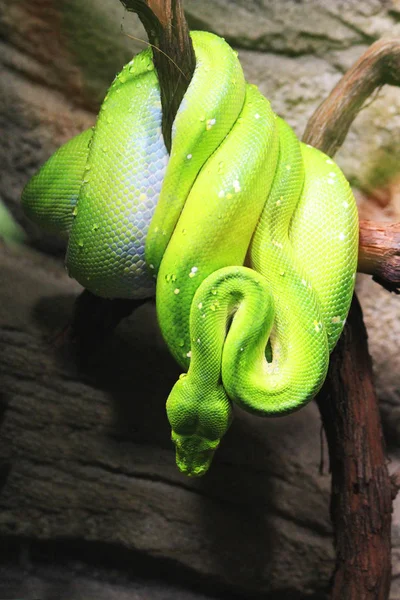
x,y
361,488
361,500
379,253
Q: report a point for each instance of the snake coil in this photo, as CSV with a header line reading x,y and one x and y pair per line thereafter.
x,y
247,237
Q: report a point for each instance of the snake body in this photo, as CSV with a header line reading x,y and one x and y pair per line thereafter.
x,y
247,237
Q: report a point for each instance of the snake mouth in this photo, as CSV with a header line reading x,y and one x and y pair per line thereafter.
x,y
194,453
190,470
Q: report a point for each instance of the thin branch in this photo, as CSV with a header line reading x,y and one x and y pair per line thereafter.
x,y
328,127
379,252
379,65
175,61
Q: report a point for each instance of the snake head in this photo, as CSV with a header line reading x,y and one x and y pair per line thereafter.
x,y
194,453
199,416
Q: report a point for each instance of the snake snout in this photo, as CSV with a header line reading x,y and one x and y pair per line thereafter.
x,y
194,453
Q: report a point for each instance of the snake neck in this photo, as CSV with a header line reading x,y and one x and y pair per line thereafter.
x,y
198,408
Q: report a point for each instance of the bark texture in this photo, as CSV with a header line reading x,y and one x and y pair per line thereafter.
x,y
380,253
173,52
361,501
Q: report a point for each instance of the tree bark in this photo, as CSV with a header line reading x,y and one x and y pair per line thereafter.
x,y
361,497
173,53
379,253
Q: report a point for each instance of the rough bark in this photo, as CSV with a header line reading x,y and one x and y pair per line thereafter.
x,y
173,52
379,253
361,500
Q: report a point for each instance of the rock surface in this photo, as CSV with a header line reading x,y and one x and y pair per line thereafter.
x,y
86,455
87,468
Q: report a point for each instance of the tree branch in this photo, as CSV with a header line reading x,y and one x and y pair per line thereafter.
x,y
361,488
173,52
379,65
379,253
361,497
327,129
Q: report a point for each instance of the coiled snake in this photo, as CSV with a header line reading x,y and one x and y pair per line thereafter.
x,y
247,237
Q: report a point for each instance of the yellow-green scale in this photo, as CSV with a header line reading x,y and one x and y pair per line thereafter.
x,y
199,409
294,375
205,116
51,195
126,163
324,238
216,225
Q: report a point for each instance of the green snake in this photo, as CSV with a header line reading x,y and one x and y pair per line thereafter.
x,y
247,237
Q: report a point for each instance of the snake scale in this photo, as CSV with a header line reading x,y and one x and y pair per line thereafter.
x,y
247,237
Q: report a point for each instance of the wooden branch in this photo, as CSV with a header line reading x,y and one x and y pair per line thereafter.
x,y
327,129
361,500
379,253
173,52
361,487
379,65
